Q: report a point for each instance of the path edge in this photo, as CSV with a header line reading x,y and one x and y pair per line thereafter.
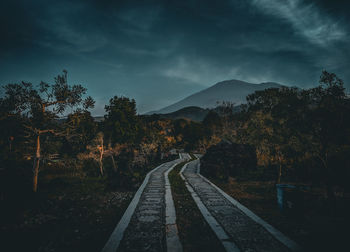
x,y
289,243
172,238
114,240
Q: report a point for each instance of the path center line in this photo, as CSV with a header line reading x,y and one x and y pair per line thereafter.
x,y
215,226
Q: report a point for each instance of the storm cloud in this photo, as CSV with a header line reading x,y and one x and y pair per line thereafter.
x,y
161,51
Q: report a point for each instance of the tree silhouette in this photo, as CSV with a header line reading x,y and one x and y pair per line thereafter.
x,y
41,106
121,124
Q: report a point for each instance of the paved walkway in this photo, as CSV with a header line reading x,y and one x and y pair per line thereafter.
x,y
143,225
243,231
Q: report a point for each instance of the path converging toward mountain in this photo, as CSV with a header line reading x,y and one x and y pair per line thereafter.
x,y
149,223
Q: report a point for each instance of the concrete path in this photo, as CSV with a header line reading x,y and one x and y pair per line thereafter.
x,y
236,226
149,223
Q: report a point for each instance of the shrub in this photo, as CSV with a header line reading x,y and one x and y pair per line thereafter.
x,y
228,159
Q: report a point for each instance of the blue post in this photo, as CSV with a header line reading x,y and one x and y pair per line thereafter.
x,y
281,195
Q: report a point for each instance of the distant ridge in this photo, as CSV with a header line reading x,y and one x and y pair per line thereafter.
x,y
230,90
189,113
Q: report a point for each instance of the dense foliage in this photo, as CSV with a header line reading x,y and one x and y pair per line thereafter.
x,y
41,140
235,160
299,135
52,145
291,134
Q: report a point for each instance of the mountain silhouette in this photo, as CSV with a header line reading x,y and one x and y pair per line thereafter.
x,y
230,90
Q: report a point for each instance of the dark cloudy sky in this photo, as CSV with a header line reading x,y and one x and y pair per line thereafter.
x,y
161,51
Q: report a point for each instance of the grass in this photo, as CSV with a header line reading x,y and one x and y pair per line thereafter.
x,y
68,213
195,233
315,229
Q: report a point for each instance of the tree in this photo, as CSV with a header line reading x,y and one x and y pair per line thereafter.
x,y
212,122
192,135
329,122
225,110
273,125
84,128
121,124
290,125
96,150
41,107
11,128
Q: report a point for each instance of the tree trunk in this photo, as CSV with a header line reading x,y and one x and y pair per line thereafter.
x,y
279,175
101,167
36,164
101,155
114,165
280,170
100,161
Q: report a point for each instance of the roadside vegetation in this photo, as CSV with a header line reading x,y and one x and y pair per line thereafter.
x,y
61,169
194,232
295,137
65,178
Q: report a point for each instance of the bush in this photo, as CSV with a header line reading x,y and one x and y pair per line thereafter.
x,y
90,167
228,159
